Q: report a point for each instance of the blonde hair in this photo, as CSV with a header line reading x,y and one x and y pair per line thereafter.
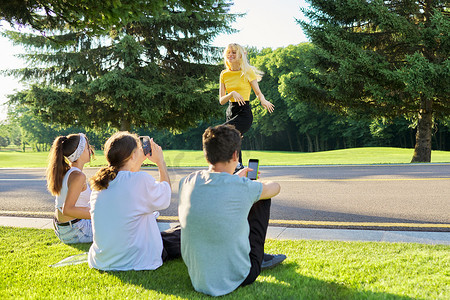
x,y
58,164
243,61
118,150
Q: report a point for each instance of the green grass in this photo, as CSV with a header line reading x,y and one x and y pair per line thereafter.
x,y
313,270
189,158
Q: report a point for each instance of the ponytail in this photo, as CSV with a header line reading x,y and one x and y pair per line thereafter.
x,y
58,164
57,167
118,150
101,179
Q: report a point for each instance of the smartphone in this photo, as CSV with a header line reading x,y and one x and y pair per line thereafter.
x,y
253,164
145,143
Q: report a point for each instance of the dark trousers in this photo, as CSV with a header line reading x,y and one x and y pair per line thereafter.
x,y
171,243
258,219
241,117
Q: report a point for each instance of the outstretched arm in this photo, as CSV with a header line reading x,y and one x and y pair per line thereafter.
x,y
266,104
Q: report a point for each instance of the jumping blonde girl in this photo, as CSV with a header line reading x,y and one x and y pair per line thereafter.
x,y
236,83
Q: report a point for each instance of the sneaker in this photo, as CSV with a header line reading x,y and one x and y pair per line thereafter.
x,y
272,260
238,168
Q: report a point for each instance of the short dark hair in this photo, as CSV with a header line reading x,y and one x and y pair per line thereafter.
x,y
220,142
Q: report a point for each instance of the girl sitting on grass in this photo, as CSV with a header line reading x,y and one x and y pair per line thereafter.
x,y
66,181
124,199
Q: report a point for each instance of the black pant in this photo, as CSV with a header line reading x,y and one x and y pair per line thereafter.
x,y
258,219
171,243
241,117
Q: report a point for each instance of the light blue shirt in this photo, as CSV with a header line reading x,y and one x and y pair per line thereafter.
x,y
215,247
126,235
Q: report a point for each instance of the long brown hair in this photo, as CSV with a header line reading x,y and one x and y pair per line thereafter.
x,y
118,150
58,164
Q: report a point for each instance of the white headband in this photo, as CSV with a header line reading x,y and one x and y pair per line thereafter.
x,y
77,153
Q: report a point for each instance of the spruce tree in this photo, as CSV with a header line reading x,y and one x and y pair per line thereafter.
x,y
380,58
158,72
85,15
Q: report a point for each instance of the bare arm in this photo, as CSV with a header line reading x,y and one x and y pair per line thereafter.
x,y
270,189
158,158
266,104
75,183
224,97
163,173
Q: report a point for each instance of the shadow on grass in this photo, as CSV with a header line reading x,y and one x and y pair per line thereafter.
x,y
82,247
282,282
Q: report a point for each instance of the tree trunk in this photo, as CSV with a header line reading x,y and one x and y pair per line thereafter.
x,y
317,143
422,150
411,138
310,143
125,125
290,141
300,143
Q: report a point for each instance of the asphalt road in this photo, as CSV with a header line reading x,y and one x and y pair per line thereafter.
x,y
406,197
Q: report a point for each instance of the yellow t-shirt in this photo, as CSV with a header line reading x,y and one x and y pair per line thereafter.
x,y
234,81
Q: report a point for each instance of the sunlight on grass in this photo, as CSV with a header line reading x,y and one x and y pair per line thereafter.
x,y
191,158
273,280
313,270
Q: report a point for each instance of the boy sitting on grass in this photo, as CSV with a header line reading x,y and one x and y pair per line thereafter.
x,y
224,218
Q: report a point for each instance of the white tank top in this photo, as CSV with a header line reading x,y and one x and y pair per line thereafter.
x,y
83,199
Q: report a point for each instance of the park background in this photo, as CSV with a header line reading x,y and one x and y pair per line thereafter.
x,y
276,44
314,269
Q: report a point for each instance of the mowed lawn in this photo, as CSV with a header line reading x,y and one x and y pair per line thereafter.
x,y
191,158
312,270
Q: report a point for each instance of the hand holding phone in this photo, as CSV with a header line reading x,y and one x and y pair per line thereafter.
x,y
253,164
146,145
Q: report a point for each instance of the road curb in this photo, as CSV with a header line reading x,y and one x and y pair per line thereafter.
x,y
286,233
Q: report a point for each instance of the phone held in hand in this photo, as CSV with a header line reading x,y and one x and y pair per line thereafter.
x,y
253,164
145,143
